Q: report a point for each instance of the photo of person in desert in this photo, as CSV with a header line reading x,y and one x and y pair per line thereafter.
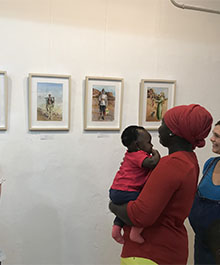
x,y
49,101
103,103
156,104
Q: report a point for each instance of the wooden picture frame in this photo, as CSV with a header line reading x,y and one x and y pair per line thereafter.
x,y
103,103
49,102
156,97
3,101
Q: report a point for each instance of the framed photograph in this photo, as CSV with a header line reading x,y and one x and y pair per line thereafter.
x,y
49,102
103,103
3,100
156,97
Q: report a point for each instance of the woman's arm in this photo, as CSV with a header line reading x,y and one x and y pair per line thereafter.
x,y
163,182
157,192
153,198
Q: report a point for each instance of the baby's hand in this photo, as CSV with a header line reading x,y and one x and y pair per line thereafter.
x,y
155,154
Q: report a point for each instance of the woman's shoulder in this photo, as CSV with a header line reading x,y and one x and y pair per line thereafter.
x,y
180,159
209,161
177,166
180,155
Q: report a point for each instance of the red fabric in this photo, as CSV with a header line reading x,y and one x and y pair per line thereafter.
x,y
131,175
161,208
191,122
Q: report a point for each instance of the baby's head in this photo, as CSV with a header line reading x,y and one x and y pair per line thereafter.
x,y
136,138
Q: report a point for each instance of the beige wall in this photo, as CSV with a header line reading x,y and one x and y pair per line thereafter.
x,y
54,203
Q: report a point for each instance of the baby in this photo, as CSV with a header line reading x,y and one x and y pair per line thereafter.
x,y
138,162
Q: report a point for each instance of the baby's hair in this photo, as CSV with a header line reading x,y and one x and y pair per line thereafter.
x,y
217,123
130,134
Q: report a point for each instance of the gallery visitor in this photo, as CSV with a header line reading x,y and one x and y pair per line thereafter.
x,y
167,197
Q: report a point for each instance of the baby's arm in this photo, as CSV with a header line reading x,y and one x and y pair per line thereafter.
x,y
151,162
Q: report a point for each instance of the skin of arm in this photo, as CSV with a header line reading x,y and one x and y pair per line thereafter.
x,y
151,162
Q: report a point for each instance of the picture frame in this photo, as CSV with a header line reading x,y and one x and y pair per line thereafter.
x,y
3,101
103,103
49,102
156,97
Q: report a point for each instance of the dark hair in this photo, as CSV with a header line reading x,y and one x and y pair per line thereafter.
x,y
130,134
217,123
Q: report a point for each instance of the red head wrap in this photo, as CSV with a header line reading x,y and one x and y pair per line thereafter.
x,y
191,122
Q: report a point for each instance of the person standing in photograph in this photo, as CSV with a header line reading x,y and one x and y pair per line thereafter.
x,y
160,101
103,103
50,105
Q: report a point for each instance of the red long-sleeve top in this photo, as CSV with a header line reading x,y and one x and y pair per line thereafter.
x,y
161,208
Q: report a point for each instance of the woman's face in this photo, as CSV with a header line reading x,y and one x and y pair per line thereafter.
x,y
215,139
164,134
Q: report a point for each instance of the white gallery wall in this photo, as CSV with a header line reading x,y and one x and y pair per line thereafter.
x,y
54,204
